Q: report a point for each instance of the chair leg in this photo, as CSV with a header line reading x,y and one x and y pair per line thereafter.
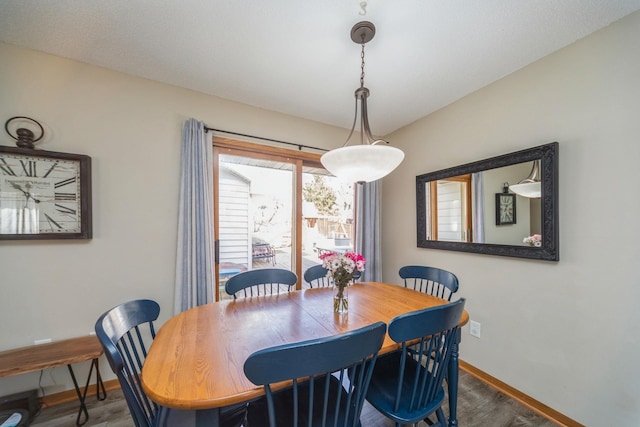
x,y
441,419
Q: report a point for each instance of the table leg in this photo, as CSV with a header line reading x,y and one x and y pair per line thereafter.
x,y
452,381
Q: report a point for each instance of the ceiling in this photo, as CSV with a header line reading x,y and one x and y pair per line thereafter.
x,y
297,57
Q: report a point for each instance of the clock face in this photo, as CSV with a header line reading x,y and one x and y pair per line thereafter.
x,y
506,208
39,194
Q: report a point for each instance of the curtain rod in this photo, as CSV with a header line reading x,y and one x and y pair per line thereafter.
x,y
300,146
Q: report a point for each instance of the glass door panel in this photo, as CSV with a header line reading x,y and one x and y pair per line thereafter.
x,y
275,207
255,215
327,216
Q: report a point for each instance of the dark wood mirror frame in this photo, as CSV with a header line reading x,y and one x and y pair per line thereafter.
x,y
548,156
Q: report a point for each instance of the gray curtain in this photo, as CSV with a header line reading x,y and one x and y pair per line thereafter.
x,y
477,201
195,254
368,229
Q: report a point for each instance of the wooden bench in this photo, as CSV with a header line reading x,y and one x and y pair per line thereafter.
x,y
58,353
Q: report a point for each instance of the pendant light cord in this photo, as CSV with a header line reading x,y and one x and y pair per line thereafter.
x,y
359,93
355,113
362,64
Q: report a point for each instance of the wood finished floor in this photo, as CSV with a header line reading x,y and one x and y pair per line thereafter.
x,y
478,405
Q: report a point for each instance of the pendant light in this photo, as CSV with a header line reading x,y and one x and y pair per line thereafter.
x,y
530,186
372,159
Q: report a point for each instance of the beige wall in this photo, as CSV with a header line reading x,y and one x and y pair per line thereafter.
x,y
131,128
565,333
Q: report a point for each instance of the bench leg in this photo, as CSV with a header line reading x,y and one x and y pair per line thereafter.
x,y
99,384
83,396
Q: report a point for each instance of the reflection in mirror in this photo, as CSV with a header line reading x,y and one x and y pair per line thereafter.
x,y
464,208
530,186
471,207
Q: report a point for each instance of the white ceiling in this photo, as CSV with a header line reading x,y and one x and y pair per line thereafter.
x,y
297,57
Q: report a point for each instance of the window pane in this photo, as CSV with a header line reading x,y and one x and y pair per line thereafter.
x,y
255,215
327,211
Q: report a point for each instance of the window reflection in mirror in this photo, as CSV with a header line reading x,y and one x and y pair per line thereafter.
x,y
449,209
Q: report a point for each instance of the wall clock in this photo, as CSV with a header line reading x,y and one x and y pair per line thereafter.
x,y
44,195
505,208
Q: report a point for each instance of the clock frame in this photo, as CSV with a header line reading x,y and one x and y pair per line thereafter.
x,y
60,194
505,208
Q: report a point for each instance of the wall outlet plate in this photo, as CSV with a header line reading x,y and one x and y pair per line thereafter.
x,y
474,328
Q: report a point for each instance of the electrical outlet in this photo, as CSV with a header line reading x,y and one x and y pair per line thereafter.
x,y
42,341
474,328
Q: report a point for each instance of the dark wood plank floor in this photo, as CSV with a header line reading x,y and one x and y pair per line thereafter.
x,y
478,405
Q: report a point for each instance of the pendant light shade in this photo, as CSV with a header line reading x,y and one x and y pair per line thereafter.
x,y
372,159
530,190
362,163
530,186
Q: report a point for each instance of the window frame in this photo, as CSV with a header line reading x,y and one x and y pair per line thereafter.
x,y
298,158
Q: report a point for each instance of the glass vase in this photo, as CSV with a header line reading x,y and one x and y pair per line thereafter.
x,y
341,299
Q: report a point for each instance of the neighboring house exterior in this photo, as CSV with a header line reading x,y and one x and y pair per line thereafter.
x,y
235,233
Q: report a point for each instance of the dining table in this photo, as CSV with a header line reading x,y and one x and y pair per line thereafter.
x,y
197,357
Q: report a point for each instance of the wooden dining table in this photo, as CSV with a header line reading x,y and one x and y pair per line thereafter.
x,y
196,360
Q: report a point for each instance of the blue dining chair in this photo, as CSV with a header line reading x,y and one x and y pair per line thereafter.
x,y
329,379
430,280
407,385
317,277
124,332
264,281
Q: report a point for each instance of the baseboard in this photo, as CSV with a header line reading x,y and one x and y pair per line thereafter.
x,y
536,406
70,395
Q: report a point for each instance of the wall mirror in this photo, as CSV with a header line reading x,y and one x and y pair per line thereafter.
x,y
473,207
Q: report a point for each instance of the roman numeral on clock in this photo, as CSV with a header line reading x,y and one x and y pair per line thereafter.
x,y
65,197
52,222
50,170
64,209
6,169
65,182
29,167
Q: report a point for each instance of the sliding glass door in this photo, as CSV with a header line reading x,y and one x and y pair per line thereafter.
x,y
275,208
